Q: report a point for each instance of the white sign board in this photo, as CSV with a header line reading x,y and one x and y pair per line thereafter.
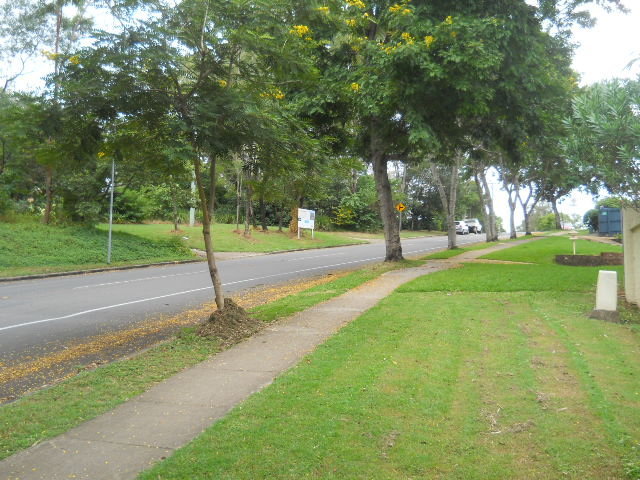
x,y
306,219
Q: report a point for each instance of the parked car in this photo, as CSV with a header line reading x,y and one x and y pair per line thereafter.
x,y
462,228
474,225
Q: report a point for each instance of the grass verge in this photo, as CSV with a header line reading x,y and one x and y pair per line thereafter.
x,y
30,248
227,239
502,377
33,248
55,410
445,254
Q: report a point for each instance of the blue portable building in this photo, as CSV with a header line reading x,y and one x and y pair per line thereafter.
x,y
609,221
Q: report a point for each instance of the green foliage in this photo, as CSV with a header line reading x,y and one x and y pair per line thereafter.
x,y
131,206
591,220
610,202
357,211
546,223
605,137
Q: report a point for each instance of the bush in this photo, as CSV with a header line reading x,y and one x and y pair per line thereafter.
x,y
546,223
590,220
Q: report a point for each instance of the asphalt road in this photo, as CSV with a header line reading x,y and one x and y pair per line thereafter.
x,y
39,313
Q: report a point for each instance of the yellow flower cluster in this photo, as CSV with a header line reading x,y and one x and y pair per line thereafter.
x,y
448,20
429,39
407,37
323,10
222,83
273,93
50,55
300,30
351,22
356,3
101,154
355,87
402,9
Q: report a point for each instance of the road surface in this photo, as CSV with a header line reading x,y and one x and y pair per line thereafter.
x,y
38,316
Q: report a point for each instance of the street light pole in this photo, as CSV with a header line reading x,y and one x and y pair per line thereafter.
x,y
113,186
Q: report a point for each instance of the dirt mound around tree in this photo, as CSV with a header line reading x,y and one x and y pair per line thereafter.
x,y
230,325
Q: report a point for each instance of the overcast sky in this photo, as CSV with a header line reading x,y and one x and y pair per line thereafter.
x,y
604,53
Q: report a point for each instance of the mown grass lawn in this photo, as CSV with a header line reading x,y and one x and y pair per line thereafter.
x,y
500,376
227,239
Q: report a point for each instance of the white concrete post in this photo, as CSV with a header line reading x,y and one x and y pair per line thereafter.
x,y
631,238
606,297
607,291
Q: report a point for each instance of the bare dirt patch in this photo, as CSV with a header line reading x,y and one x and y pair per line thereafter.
x,y
230,325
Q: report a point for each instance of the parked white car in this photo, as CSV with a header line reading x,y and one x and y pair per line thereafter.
x,y
474,225
461,227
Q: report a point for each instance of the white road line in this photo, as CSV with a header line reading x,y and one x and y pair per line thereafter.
x,y
139,280
317,256
133,302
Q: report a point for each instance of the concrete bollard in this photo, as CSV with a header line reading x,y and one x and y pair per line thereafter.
x,y
606,296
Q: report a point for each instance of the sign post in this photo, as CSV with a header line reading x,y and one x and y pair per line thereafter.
x,y
306,219
401,207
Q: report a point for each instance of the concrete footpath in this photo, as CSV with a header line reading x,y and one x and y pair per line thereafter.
x,y
131,438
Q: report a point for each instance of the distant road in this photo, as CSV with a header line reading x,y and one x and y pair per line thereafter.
x,y
34,313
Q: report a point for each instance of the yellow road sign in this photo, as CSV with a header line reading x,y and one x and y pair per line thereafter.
x,y
401,207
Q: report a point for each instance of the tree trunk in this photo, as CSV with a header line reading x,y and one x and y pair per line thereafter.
x,y
484,200
512,213
385,200
238,199
263,213
511,189
449,200
526,210
48,187
279,215
492,231
174,204
554,206
212,192
206,230
293,225
247,213
252,213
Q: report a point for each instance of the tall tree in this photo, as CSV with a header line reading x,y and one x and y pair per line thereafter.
x,y
604,137
209,72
